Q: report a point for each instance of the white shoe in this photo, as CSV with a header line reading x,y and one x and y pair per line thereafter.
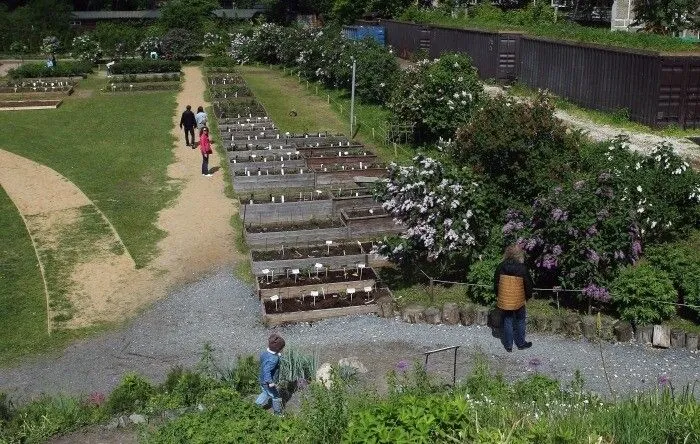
x,y
208,175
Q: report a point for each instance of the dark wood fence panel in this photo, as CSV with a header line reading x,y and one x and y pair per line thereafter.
x,y
403,37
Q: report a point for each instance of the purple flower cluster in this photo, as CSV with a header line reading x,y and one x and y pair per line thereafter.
x,y
620,255
578,185
604,177
663,380
548,262
593,256
591,231
402,366
595,292
602,214
556,250
512,226
559,215
636,250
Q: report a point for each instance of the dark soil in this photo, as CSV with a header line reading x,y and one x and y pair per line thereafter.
x,y
330,301
319,252
364,212
336,168
350,192
288,197
270,172
294,226
324,277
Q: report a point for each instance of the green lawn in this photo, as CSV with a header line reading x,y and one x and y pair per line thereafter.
x,y
114,147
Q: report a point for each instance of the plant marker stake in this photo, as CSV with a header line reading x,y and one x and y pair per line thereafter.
x,y
359,269
276,299
350,292
318,267
314,294
368,290
295,272
328,247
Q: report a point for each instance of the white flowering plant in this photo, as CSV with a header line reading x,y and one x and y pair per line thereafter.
x,y
149,45
50,44
442,209
437,96
86,48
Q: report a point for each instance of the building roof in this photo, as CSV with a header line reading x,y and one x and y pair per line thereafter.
x,y
153,14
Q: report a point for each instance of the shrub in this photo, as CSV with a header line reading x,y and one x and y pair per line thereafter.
x,y
243,376
481,277
50,45
179,44
220,61
682,263
86,48
118,40
131,394
436,96
148,45
643,294
520,147
39,70
135,66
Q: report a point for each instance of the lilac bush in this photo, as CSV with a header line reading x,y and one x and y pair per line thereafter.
x,y
441,207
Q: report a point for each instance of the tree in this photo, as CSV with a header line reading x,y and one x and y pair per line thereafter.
x,y
667,16
188,14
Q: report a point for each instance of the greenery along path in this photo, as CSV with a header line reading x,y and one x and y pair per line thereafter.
x,y
82,258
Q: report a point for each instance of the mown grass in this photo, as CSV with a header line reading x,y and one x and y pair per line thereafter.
x,y
115,148
319,109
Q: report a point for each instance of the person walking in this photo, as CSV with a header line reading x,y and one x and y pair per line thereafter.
x,y
54,62
205,148
188,122
269,374
201,119
513,287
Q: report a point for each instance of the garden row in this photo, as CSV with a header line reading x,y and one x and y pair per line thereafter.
x,y
305,236
37,93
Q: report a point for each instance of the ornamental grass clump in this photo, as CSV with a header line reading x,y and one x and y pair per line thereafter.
x,y
437,96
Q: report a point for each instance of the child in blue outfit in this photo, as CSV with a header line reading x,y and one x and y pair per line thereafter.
x,y
269,369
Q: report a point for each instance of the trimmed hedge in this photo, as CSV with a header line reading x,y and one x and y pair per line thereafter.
x,y
134,66
35,70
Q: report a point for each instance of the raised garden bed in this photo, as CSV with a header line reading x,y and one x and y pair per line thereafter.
x,y
46,81
272,181
225,79
232,128
348,176
140,87
292,310
263,148
230,92
248,107
335,162
332,143
65,89
11,105
291,210
315,252
241,165
295,233
149,77
286,171
244,119
374,221
286,285
250,136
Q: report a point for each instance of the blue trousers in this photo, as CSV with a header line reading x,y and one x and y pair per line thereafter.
x,y
513,327
267,394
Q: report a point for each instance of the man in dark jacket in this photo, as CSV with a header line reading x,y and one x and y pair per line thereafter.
x,y
188,122
513,287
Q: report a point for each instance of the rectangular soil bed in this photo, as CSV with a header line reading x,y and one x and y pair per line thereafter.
x,y
359,162
301,237
365,225
263,167
335,257
347,177
289,311
10,105
250,183
336,281
288,211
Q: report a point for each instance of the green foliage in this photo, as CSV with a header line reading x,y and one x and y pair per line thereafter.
x,y
295,366
539,21
243,376
667,17
130,395
188,14
682,263
481,277
50,45
437,97
85,47
118,40
40,70
519,147
220,61
179,44
135,66
643,294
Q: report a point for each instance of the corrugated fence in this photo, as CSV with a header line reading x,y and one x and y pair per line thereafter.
x,y
656,89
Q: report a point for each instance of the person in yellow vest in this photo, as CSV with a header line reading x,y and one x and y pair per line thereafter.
x,y
513,287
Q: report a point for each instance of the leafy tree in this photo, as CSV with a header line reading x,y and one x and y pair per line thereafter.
x,y
188,14
179,44
667,16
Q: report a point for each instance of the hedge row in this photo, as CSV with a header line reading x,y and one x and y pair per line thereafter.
x,y
36,70
134,66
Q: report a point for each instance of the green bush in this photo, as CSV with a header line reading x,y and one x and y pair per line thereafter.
x,y
40,70
179,44
130,395
643,294
135,66
481,277
682,263
243,376
220,61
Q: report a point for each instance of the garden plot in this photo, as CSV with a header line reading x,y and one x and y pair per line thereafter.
x,y
141,86
295,233
146,77
250,136
370,221
224,79
243,120
310,309
248,107
235,127
35,93
330,254
287,208
230,92
244,165
351,198
348,175
272,178
361,159
299,282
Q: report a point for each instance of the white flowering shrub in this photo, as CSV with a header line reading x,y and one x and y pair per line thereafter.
x,y
211,39
87,48
239,48
442,209
50,44
148,45
437,96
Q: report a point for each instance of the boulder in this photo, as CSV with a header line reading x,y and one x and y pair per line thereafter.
x,y
644,334
386,307
589,328
623,331
450,313
691,341
662,336
482,316
323,374
413,314
135,418
467,314
353,362
432,315
677,338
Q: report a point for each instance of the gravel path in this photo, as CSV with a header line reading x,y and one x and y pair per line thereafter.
x,y
220,309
